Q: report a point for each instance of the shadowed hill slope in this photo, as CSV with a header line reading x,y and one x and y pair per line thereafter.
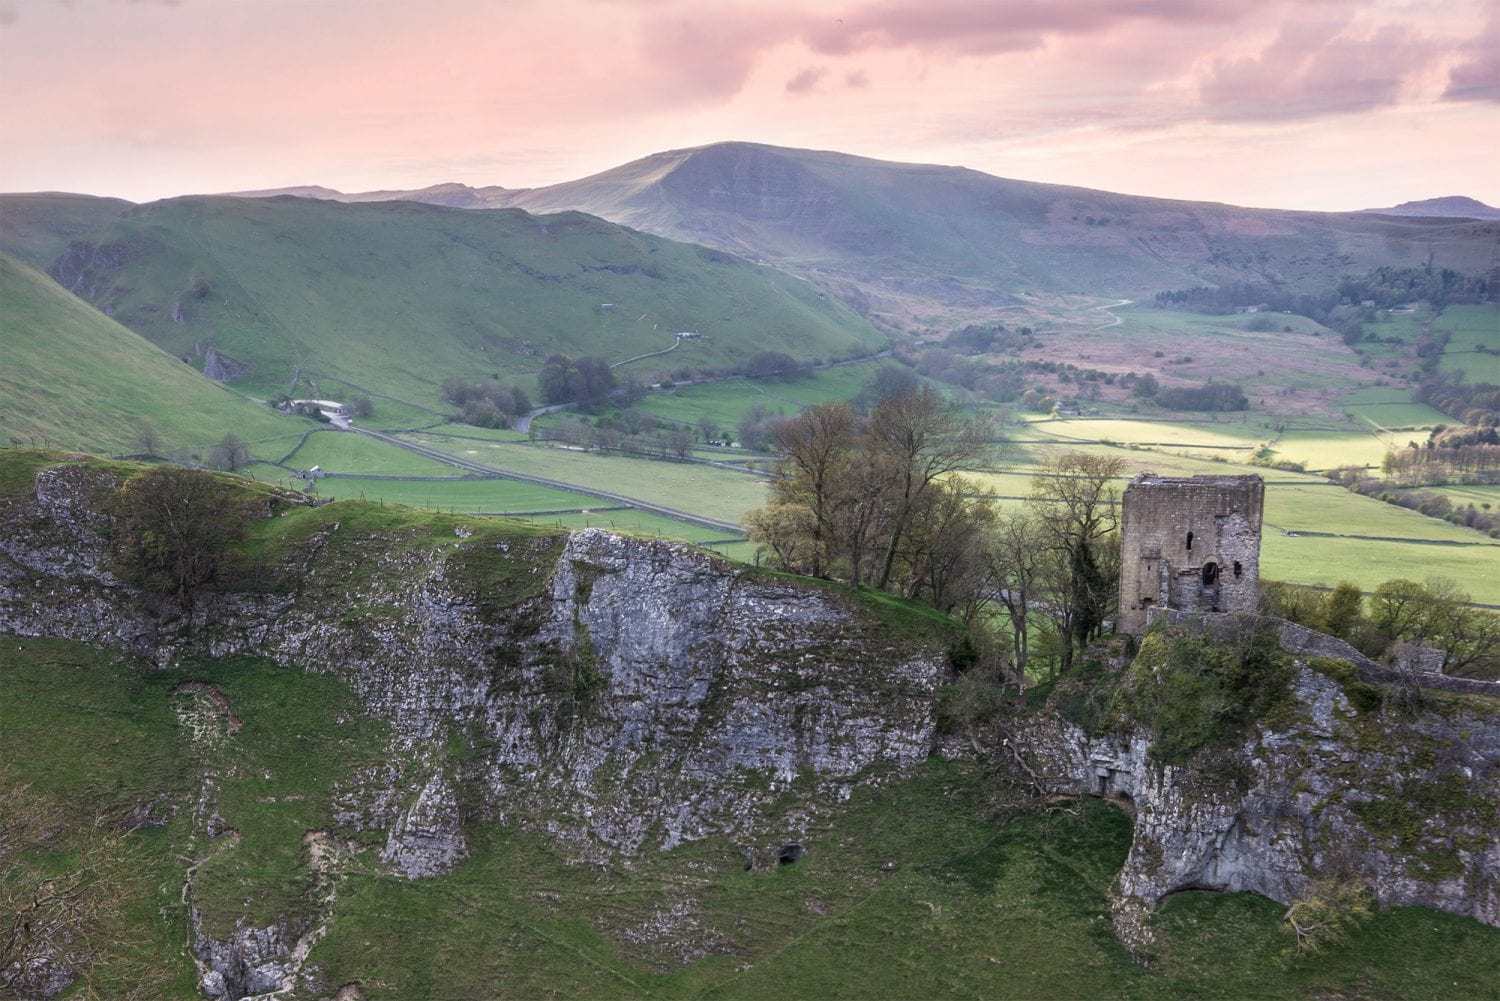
x,y
397,296
36,228
73,378
909,240
924,233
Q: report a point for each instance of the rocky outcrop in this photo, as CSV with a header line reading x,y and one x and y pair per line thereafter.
x,y
1341,785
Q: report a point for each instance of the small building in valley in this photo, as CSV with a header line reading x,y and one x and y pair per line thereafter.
x,y
1191,543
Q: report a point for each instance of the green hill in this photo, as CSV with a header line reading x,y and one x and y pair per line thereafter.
x,y
36,228
920,237
73,378
907,241
395,297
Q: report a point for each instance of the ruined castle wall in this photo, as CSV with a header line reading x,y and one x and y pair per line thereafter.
x,y
1190,543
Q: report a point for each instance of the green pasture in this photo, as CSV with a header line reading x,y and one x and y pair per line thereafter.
x,y
347,452
692,487
1474,347
467,496
727,401
1390,408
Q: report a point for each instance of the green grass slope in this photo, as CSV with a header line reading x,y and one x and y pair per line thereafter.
x,y
38,227
71,377
395,297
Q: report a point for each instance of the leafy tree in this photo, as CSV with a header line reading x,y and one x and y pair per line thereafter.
x,y
174,530
1342,610
361,407
148,441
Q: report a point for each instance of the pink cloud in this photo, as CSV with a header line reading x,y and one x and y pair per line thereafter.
x,y
1315,68
1478,77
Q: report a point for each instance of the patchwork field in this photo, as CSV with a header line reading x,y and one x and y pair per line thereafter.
x,y
1391,408
1474,348
728,401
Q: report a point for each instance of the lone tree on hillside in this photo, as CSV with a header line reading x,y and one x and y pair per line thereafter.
x,y
173,530
230,454
148,441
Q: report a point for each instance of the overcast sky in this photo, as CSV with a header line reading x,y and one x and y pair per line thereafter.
x,y
1326,104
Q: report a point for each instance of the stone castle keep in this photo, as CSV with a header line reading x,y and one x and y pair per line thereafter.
x,y
1191,543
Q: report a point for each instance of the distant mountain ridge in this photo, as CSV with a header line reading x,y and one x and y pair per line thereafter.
x,y
906,242
1448,206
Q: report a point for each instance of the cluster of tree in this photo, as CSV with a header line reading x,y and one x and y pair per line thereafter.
x,y
774,365
484,402
1383,288
855,495
1214,396
978,339
1473,457
871,499
1479,517
1002,383
586,381
628,431
1473,403
757,426
1396,618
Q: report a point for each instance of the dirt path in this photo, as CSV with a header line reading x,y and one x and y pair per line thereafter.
x,y
1113,321
651,354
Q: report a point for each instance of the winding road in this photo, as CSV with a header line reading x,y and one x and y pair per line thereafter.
x,y
1113,321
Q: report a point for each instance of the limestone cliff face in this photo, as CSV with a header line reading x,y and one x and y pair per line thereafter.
x,y
621,694
626,695
1403,800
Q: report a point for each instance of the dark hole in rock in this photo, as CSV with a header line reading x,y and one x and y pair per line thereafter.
x,y
790,853
1239,571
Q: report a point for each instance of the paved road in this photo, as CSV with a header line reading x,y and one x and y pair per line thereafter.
x,y
481,468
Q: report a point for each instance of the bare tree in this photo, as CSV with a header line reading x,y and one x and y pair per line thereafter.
x,y
230,454
922,439
1076,503
1016,555
817,445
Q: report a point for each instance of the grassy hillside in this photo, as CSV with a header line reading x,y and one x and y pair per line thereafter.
x,y
918,237
71,377
392,298
38,227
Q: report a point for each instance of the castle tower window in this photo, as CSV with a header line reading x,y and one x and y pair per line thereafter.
x,y
1210,573
1190,542
1239,571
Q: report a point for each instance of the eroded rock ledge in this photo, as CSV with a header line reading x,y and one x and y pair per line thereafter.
x,y
618,693
1346,780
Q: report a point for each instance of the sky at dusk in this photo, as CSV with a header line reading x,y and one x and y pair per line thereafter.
x,y
1319,104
